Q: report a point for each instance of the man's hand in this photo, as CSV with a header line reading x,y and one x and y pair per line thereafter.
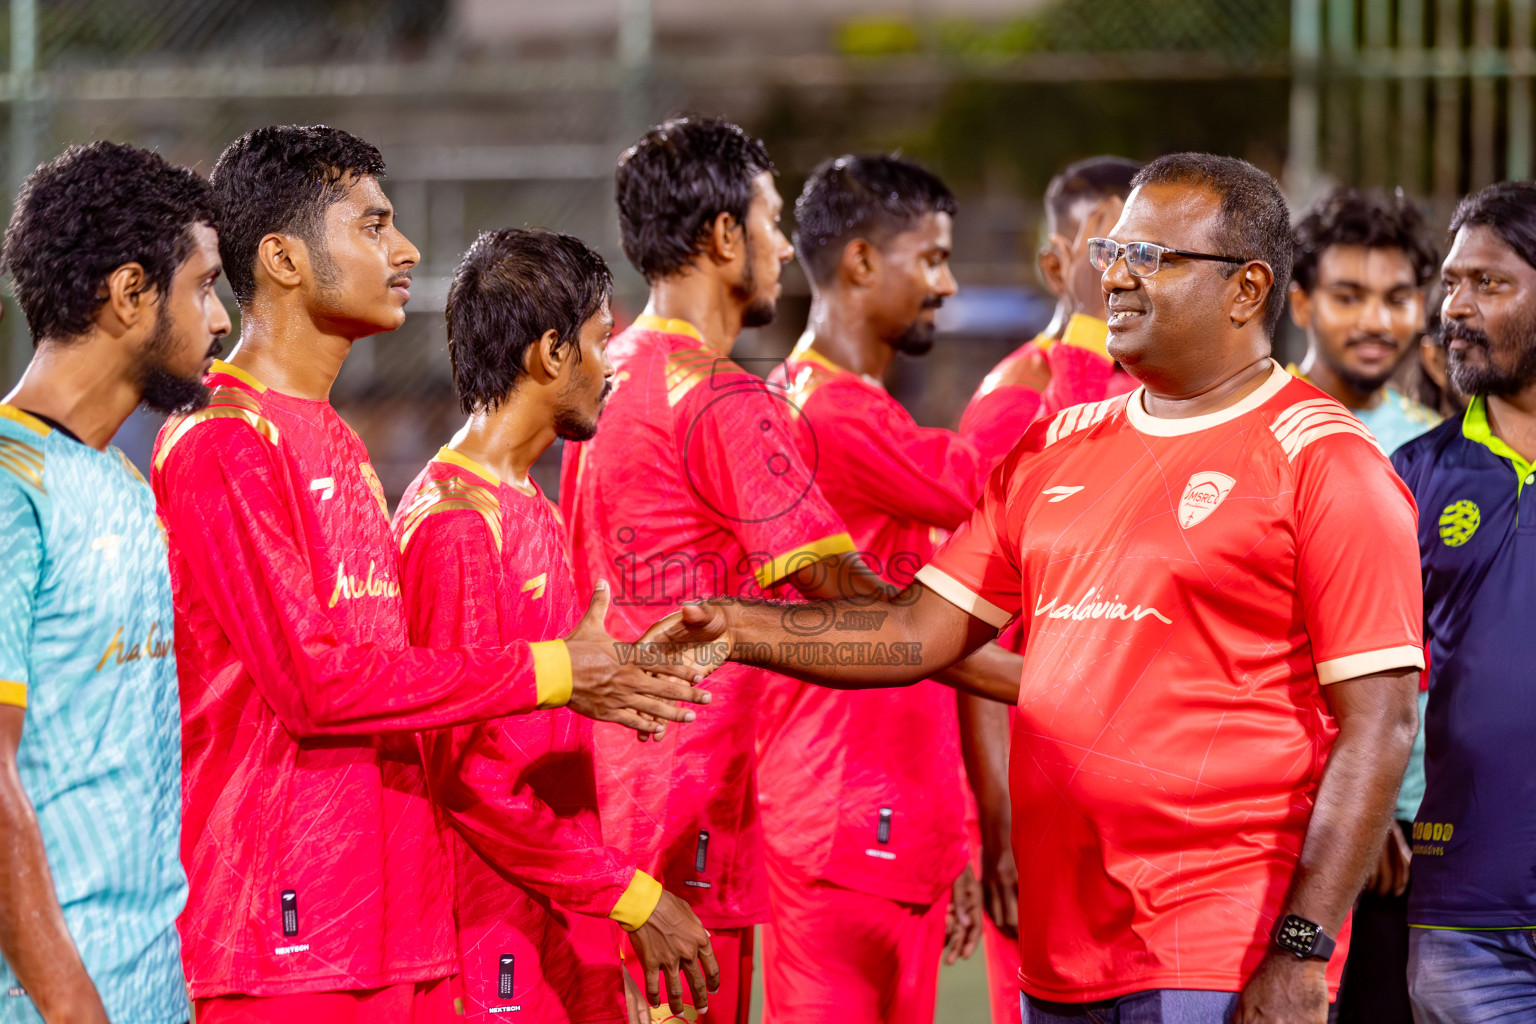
x,y
1390,876
608,684
962,924
999,878
1285,990
673,940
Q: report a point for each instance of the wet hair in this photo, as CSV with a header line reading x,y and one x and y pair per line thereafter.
x,y
1253,221
281,179
1092,180
510,288
87,212
1349,216
870,197
1508,209
674,182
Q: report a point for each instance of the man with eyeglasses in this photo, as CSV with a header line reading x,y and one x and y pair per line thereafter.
x,y
1218,582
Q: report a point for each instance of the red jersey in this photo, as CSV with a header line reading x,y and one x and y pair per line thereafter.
x,y
692,487
484,564
1187,586
1080,370
863,788
314,860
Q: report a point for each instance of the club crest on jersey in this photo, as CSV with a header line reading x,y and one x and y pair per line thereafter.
x,y
1202,494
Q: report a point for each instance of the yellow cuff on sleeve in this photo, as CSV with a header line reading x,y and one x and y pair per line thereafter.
x,y
551,673
802,556
13,693
639,900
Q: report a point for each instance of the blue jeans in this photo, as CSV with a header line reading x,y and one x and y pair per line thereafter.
x,y
1159,1006
1457,977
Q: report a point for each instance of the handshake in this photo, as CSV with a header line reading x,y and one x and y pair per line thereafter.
x,y
646,684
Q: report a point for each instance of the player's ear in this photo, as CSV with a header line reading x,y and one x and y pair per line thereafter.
x,y
282,259
727,238
1248,289
858,263
546,358
1053,264
129,295
1301,306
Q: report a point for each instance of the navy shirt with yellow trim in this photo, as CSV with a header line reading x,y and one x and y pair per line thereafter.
x,y
1474,841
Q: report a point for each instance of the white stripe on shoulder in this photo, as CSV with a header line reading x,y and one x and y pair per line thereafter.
x,y
1307,422
1079,417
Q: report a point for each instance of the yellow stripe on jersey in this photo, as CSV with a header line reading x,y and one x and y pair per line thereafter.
x,y
26,419
22,461
453,494
13,693
226,403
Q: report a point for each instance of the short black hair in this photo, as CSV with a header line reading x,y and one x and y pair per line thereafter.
x,y
1254,222
870,197
1095,179
674,182
87,212
511,287
1351,216
281,179
1508,209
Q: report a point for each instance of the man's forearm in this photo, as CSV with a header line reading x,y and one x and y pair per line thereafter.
x,y
1354,805
33,935
853,644
991,672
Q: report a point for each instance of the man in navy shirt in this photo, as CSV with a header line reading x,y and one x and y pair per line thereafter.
x,y
1473,903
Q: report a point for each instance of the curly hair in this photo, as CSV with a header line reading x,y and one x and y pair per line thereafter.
x,y
281,179
674,182
1350,216
511,287
872,197
87,212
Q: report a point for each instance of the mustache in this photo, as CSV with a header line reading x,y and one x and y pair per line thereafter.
x,y
1371,338
933,302
216,349
1454,331
404,277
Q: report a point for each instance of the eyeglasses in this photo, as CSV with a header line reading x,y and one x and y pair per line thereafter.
x,y
1142,259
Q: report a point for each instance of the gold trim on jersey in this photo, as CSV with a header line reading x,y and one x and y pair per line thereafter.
x,y
26,419
453,458
24,461
231,370
12,692
662,325
131,467
802,556
455,494
685,370
227,403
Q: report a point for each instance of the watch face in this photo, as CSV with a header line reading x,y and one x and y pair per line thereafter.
x,y
1297,934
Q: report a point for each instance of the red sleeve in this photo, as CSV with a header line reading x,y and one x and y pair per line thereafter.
x,y
919,473
740,459
979,569
995,420
223,494
1357,559
480,774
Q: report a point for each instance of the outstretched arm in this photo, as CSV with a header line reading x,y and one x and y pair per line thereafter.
x,y
850,644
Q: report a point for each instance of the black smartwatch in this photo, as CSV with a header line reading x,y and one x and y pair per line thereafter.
x,y
1302,938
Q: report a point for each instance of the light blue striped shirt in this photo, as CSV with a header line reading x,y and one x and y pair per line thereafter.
x,y
85,645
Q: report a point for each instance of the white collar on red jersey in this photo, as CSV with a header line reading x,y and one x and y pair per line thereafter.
x,y
1157,426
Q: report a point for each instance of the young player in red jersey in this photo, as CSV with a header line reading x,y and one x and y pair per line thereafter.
x,y
862,797
320,886
1218,581
1066,363
484,563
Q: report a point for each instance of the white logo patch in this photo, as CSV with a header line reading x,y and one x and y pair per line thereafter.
x,y
326,485
1202,494
1061,493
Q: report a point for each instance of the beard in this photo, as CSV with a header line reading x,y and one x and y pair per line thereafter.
x,y
918,338
1491,379
159,387
571,423
760,309
1361,382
